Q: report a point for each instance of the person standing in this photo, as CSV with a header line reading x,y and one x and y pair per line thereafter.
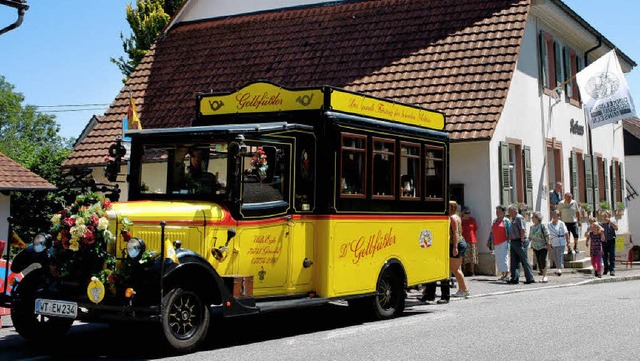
x,y
519,245
595,237
429,293
555,197
559,238
539,236
499,239
569,214
609,244
457,247
469,228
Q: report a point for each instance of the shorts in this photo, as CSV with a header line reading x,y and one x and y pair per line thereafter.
x,y
572,227
471,254
541,258
462,247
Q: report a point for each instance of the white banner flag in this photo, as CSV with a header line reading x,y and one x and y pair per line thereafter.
x,y
604,91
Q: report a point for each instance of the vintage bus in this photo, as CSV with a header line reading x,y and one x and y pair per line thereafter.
x,y
274,198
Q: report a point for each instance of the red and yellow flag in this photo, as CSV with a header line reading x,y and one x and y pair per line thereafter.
x,y
132,116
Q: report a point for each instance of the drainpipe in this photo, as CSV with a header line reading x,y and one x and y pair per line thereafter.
x,y
22,8
596,201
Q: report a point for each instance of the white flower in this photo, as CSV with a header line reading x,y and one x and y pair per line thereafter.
x,y
103,223
108,236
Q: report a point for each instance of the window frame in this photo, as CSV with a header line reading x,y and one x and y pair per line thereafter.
x,y
442,161
392,178
417,181
364,151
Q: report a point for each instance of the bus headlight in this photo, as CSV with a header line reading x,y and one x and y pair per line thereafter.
x,y
135,248
41,242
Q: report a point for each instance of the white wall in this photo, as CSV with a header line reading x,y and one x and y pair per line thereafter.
x,y
470,166
205,9
632,174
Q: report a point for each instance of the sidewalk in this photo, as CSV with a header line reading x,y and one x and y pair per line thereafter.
x,y
482,286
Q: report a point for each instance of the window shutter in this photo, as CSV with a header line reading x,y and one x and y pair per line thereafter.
x,y
596,182
544,61
505,187
574,174
605,168
566,61
614,183
622,183
528,186
557,59
588,177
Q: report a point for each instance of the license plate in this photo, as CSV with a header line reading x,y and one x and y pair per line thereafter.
x,y
56,308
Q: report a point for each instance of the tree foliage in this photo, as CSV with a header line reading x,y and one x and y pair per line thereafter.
x,y
146,21
31,139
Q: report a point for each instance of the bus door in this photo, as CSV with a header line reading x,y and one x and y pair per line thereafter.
x,y
264,233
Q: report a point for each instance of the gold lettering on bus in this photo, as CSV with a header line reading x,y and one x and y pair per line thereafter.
x,y
264,250
367,247
256,101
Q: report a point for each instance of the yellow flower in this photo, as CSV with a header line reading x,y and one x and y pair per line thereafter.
x,y
78,230
55,220
74,245
79,221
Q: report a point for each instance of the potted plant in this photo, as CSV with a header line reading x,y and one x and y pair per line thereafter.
x,y
585,210
619,212
604,207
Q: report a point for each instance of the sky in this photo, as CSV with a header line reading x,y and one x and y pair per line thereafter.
x,y
61,53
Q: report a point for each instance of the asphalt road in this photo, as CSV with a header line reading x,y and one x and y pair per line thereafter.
x,y
591,321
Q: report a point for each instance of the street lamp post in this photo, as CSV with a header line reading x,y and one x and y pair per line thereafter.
x,y
21,6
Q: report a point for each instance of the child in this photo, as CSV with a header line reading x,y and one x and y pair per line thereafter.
x,y
595,235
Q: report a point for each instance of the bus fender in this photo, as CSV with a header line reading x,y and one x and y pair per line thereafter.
x,y
194,271
27,257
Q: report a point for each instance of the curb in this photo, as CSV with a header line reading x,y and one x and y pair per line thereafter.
x,y
581,283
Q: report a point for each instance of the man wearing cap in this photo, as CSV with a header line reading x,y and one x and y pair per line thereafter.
x,y
469,228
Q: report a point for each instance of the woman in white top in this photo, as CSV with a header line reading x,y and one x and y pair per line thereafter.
x,y
559,236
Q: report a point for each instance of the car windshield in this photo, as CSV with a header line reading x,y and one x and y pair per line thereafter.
x,y
198,169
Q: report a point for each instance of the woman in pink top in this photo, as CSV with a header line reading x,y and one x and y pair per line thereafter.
x,y
499,240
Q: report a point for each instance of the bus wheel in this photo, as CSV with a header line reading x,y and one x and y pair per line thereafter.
x,y
185,319
389,299
29,325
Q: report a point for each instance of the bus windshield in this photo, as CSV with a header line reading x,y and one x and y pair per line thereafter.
x,y
178,169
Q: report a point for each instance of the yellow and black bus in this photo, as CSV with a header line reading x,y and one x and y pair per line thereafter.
x,y
277,198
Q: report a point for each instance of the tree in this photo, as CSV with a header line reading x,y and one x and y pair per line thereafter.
x,y
146,21
31,139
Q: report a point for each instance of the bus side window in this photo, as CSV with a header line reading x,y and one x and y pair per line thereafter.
x,y
384,168
353,164
305,179
434,173
409,170
264,179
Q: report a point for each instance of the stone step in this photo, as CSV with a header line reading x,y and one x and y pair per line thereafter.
x,y
578,263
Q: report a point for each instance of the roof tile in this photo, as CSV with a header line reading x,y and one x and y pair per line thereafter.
x,y
14,176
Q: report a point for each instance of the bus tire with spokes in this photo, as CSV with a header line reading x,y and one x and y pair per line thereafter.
x,y
388,301
185,319
29,325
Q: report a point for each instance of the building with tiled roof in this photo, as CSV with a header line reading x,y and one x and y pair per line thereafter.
x,y
500,70
15,177
632,166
